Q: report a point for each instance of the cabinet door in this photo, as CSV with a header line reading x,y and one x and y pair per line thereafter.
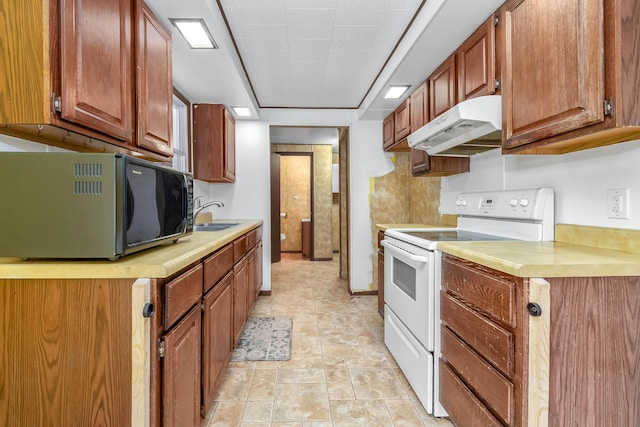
x,y
402,120
154,83
388,132
96,65
419,107
251,281
419,162
229,147
476,66
442,88
181,373
240,284
554,68
213,143
217,337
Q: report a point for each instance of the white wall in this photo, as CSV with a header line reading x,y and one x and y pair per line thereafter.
x,y
580,181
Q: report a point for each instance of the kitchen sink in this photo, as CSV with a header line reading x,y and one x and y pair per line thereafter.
x,y
214,226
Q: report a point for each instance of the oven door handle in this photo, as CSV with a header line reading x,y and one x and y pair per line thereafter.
x,y
404,253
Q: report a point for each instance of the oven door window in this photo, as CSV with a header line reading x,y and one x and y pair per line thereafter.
x,y
404,277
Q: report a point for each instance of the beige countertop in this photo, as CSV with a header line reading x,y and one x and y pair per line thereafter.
x,y
579,251
158,262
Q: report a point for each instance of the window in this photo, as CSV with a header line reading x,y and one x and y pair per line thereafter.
x,y
181,118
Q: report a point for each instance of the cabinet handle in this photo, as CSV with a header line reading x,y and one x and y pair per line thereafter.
x,y
534,309
148,310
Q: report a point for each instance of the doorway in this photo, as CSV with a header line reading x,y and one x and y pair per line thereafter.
x,y
328,187
296,203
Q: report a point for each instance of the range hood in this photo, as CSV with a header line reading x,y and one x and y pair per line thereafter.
x,y
472,126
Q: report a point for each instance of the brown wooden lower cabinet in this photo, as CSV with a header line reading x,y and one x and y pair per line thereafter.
x,y
240,293
181,372
217,337
576,364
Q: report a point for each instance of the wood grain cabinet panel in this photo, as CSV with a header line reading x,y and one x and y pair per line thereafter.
x,y
476,62
217,337
493,342
73,76
217,265
96,65
563,61
463,407
402,119
388,132
213,143
443,88
154,83
240,292
181,294
181,379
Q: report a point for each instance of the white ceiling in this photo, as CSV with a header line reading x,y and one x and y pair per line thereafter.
x,y
316,53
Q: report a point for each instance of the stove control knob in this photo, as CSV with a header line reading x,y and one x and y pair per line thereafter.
x,y
524,202
458,202
513,202
463,202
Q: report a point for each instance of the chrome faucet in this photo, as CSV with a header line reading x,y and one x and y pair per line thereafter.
x,y
206,205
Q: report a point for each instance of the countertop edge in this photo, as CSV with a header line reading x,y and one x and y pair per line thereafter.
x,y
155,263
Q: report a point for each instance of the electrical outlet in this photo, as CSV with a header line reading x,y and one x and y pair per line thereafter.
x,y
618,203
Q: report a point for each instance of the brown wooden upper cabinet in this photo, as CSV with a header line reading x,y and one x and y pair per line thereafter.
x,y
388,132
442,88
476,62
214,143
419,117
396,127
154,86
402,118
571,74
69,75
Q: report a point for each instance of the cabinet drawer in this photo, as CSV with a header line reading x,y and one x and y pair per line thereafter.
x,y
493,342
251,238
181,294
239,248
492,387
464,409
495,296
217,265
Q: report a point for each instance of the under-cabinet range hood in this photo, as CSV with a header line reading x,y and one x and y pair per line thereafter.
x,y
472,126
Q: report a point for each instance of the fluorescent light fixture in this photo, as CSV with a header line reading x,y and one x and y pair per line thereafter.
x,y
395,91
242,111
195,33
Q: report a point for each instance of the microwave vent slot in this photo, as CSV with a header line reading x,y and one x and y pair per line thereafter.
x,y
91,188
87,169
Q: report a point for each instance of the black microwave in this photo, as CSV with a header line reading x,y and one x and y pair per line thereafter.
x,y
90,205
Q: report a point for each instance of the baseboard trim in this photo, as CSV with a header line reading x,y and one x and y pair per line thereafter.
x,y
265,293
355,294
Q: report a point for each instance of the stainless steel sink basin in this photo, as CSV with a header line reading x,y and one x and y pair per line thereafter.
x,y
214,226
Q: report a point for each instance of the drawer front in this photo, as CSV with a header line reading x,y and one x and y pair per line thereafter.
x,y
464,409
495,296
217,265
491,386
493,342
239,248
181,294
251,238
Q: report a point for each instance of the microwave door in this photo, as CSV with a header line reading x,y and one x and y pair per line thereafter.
x,y
142,218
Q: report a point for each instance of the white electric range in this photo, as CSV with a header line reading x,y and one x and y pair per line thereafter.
x,y
412,274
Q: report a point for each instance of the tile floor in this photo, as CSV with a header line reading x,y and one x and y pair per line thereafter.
x,y
340,372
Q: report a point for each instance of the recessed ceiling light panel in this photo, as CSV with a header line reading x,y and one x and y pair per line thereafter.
x,y
195,33
395,91
242,111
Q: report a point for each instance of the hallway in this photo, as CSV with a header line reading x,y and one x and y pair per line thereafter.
x,y
340,373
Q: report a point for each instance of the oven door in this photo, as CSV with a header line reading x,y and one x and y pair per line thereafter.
x,y
409,287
